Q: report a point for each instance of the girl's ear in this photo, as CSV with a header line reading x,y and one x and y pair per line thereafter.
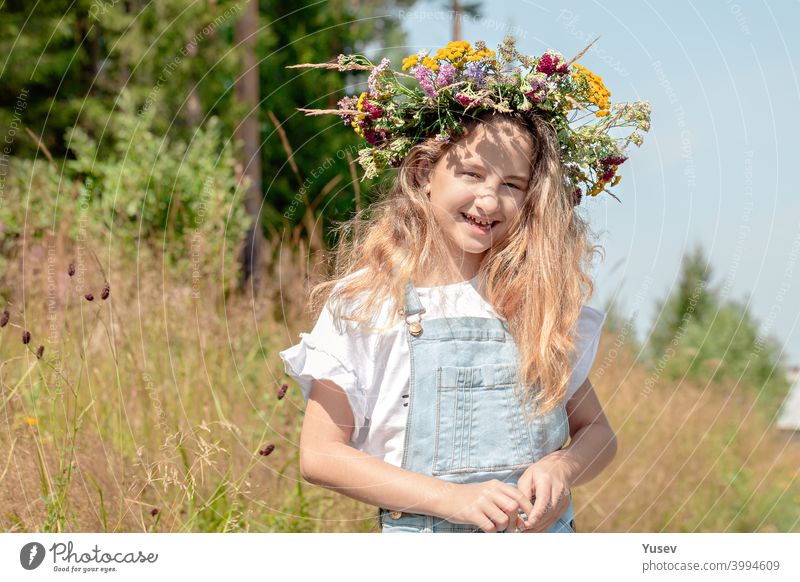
x,y
423,172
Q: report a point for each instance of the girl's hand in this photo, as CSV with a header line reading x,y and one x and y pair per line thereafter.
x,y
491,505
546,481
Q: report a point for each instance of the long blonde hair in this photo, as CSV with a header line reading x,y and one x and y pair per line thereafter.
x,y
535,276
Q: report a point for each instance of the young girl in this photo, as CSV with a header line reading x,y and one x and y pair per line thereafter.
x,y
448,367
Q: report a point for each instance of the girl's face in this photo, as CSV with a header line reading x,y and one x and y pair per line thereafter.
x,y
483,177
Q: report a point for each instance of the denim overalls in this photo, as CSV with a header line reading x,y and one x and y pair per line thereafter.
x,y
465,423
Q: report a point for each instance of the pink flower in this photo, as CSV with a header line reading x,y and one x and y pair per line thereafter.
x,y
375,136
613,160
447,72
465,101
549,64
423,75
538,88
375,111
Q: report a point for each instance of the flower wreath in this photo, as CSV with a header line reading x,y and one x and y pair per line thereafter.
x,y
432,94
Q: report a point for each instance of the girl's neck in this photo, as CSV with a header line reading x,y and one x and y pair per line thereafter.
x,y
466,271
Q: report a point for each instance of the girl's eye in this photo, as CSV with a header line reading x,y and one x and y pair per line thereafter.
x,y
470,174
513,185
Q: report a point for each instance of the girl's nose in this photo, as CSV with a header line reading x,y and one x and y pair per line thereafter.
x,y
487,198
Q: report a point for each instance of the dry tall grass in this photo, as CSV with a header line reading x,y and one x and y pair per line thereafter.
x,y
158,410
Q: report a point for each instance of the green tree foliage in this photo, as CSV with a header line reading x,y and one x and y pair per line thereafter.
x,y
690,299
74,58
181,199
314,32
71,60
700,336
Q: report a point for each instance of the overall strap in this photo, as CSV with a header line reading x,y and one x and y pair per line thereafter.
x,y
413,306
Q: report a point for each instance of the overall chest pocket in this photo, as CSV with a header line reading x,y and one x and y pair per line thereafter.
x,y
480,424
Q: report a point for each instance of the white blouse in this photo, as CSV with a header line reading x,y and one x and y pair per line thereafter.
x,y
374,368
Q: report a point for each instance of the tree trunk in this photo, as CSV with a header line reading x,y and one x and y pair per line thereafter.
x,y
247,93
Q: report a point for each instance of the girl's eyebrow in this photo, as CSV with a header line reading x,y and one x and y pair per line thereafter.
x,y
473,166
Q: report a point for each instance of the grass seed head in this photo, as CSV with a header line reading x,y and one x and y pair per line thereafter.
x,y
282,391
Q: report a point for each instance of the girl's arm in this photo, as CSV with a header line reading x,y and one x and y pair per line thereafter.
x,y
591,449
593,445
327,459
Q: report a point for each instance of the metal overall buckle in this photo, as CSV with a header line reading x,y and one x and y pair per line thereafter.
x,y
414,327
393,514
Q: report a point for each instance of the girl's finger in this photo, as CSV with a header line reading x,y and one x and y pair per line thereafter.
x,y
522,494
499,518
520,528
513,516
540,506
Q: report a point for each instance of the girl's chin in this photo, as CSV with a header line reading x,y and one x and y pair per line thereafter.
x,y
473,249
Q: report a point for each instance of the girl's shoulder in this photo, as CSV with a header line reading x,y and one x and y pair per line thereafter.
x,y
350,317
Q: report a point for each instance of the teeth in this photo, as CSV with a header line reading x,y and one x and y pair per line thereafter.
x,y
477,221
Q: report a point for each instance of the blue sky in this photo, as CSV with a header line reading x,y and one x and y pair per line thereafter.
x,y
717,167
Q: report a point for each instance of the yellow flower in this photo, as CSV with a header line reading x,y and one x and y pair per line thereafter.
x,y
430,63
616,180
30,421
598,93
410,61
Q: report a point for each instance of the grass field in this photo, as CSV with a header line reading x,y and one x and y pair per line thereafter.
x,y
157,409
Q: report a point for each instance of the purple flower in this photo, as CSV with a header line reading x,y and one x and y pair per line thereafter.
x,y
374,89
347,104
447,72
476,73
538,88
423,75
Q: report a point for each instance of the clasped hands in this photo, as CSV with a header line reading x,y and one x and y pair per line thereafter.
x,y
542,493
545,484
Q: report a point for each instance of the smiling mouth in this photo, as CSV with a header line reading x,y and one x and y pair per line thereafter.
x,y
480,226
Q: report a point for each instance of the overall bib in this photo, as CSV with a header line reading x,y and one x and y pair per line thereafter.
x,y
465,421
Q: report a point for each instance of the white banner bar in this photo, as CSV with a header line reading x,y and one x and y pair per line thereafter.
x,y
383,557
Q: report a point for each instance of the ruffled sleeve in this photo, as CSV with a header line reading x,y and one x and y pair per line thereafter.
x,y
329,354
589,326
